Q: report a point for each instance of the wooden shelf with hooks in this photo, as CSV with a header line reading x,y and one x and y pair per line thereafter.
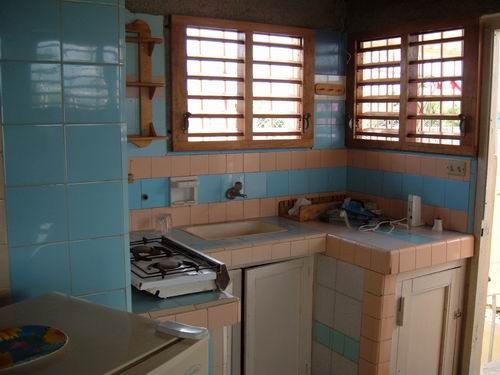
x,y
145,83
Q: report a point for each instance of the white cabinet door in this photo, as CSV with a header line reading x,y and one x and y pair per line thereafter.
x,y
278,318
429,318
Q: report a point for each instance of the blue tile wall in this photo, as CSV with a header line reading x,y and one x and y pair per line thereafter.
x,y
36,214
31,93
412,185
337,178
155,193
99,41
134,195
103,259
255,185
210,188
434,190
318,180
46,141
298,183
65,158
392,185
36,37
38,269
91,93
455,192
95,152
95,210
440,192
330,52
277,183
336,341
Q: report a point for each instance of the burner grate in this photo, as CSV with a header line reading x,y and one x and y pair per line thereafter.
x,y
161,254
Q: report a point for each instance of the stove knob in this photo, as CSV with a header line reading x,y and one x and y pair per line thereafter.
x,y
145,197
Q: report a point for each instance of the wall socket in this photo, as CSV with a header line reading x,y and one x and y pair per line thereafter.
x,y
456,167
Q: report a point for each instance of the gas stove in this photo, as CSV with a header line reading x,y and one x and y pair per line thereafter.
x,y
167,268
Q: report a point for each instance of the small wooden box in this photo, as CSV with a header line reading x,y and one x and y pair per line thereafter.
x,y
311,212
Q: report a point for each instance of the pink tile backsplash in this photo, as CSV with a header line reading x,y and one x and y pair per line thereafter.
x,y
140,219
267,161
216,164
251,208
283,161
161,166
181,165
199,165
251,162
216,212
268,207
199,214
412,165
298,159
234,163
313,159
140,167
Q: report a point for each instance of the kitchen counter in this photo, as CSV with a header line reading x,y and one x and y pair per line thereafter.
x,y
399,251
206,309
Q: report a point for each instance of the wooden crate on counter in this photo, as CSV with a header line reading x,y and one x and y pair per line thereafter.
x,y
311,212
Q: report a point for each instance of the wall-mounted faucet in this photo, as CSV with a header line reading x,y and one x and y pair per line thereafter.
x,y
235,191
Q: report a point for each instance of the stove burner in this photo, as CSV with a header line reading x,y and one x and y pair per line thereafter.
x,y
166,265
142,252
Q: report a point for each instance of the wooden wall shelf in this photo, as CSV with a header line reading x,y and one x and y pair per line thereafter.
x,y
145,82
140,141
150,42
151,85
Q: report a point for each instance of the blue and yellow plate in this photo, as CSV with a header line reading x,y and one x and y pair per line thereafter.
x,y
23,344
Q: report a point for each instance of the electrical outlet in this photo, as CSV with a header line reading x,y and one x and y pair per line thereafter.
x,y
456,167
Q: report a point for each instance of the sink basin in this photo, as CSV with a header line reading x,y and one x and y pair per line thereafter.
x,y
233,230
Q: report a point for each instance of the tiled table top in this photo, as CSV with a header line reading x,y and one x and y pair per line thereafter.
x,y
398,239
144,302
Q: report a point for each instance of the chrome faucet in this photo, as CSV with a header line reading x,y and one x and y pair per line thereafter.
x,y
235,191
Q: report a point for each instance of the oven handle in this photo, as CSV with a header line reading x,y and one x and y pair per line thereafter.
x,y
183,331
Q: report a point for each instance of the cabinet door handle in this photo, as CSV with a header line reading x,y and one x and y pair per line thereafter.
x,y
145,197
400,317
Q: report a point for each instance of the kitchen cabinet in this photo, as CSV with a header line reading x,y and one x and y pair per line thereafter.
x,y
429,310
278,317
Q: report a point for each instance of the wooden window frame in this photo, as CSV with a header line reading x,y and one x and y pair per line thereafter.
x,y
470,88
179,84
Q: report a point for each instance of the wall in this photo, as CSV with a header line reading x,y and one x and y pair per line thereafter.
x,y
64,149
316,14
338,302
267,176
388,177
365,15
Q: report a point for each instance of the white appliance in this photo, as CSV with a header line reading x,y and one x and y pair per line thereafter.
x,y
167,268
414,217
107,341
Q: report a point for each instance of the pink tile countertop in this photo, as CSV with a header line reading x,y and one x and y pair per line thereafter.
x,y
398,252
394,253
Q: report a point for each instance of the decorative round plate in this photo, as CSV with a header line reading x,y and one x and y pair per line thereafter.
x,y
19,345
